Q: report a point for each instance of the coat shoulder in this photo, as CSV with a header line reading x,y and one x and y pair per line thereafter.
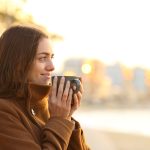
x,y
8,106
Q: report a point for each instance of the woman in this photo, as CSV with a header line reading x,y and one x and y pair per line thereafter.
x,y
33,116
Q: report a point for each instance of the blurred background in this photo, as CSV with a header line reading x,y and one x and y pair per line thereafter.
x,y
107,43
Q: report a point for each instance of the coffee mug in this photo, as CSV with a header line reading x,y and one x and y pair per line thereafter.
x,y
74,81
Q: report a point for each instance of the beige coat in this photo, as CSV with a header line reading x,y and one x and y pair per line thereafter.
x,y
25,124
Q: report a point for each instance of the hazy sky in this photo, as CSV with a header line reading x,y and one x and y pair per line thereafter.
x,y
110,30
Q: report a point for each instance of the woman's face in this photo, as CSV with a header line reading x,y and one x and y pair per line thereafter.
x,y
40,72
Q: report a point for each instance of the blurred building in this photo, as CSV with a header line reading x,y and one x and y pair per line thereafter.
x,y
139,79
113,84
114,72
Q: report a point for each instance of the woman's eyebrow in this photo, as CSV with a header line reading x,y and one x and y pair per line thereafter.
x,y
45,53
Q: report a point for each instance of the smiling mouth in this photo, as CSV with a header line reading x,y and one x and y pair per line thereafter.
x,y
48,76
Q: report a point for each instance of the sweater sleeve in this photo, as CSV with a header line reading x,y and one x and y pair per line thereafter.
x,y
58,131
15,135
77,140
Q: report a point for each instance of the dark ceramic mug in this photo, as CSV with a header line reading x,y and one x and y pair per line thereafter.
x,y
74,81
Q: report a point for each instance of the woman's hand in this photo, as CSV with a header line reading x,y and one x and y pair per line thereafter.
x,y
76,100
60,102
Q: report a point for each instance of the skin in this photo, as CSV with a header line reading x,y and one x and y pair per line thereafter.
x,y
40,73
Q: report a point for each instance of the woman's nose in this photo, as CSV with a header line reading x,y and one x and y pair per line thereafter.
x,y
50,66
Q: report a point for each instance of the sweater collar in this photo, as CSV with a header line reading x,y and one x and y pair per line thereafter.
x,y
38,92
37,103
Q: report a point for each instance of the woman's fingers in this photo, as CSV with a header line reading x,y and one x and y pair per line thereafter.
x,y
60,88
54,88
70,97
79,95
66,92
76,100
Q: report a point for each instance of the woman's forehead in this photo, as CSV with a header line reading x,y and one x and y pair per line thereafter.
x,y
45,46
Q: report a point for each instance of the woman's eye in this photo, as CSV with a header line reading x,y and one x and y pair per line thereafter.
x,y
42,58
46,58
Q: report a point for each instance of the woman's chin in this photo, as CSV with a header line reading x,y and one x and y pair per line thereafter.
x,y
46,82
42,82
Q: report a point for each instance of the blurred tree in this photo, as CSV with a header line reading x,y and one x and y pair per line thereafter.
x,y
11,12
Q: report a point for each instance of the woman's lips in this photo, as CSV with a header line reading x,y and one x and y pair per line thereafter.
x,y
47,76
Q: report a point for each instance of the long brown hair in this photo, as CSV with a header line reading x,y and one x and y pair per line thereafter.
x,y
18,46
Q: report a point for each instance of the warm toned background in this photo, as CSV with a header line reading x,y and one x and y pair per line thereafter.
x,y
116,129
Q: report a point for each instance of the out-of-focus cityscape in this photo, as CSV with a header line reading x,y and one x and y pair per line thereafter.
x,y
112,86
114,112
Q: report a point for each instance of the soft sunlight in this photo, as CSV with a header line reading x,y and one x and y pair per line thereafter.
x,y
108,30
86,68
